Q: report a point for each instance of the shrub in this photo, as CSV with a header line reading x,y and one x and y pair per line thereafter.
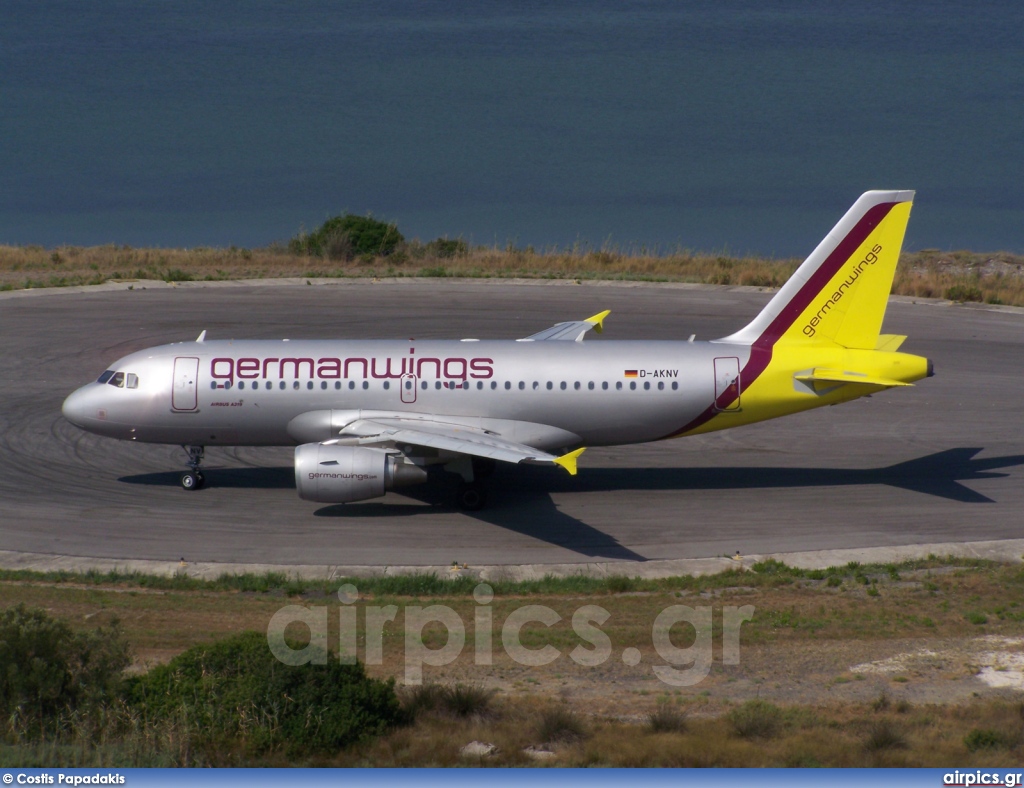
x,y
461,700
984,739
560,725
347,236
458,700
756,719
963,293
772,566
885,735
443,247
421,698
236,689
666,719
976,618
620,584
48,670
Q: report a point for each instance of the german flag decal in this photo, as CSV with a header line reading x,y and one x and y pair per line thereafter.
x,y
631,373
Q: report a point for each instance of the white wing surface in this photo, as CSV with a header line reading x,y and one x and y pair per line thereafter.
x,y
569,332
454,438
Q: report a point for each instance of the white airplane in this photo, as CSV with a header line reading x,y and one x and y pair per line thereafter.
x,y
369,416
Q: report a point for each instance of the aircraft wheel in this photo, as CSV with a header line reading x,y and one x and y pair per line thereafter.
x,y
191,481
471,497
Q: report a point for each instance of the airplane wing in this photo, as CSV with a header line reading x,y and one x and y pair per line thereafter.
x,y
455,438
572,331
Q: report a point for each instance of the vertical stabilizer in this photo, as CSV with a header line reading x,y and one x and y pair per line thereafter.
x,y
838,295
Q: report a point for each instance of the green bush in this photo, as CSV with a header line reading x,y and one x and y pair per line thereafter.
x,y
48,670
348,236
963,293
984,739
236,690
756,719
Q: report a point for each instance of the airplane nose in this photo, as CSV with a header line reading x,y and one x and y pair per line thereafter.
x,y
75,407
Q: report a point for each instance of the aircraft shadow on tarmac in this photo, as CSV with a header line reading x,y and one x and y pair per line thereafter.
x,y
520,496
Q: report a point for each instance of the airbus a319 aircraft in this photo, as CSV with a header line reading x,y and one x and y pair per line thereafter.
x,y
369,416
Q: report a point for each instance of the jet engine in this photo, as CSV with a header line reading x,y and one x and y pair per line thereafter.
x,y
328,473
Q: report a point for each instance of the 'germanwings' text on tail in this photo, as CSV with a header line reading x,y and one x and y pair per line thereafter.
x,y
367,416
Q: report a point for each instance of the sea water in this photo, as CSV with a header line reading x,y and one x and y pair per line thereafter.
x,y
726,126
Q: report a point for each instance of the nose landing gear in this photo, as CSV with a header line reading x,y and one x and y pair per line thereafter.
x,y
193,479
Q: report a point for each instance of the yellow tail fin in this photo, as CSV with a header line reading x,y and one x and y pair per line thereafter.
x,y
839,294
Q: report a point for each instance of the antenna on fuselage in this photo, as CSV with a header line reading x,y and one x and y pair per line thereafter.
x,y
201,337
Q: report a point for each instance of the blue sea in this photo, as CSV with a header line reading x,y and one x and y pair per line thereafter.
x,y
716,125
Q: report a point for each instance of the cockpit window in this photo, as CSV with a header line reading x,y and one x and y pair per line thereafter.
x,y
105,376
132,381
117,380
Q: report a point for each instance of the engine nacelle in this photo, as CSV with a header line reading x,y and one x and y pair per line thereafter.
x,y
339,474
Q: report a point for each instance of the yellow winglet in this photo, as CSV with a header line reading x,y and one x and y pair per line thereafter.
x,y
598,321
568,461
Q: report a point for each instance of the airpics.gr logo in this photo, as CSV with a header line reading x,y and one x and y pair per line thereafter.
x,y
869,259
520,634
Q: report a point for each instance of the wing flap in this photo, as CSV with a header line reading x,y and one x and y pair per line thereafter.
x,y
459,439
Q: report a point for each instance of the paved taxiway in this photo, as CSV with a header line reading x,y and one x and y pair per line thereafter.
x,y
941,462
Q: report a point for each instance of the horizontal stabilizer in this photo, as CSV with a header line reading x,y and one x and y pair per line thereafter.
x,y
839,376
889,343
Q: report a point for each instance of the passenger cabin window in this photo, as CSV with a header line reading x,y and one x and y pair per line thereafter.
x,y
105,376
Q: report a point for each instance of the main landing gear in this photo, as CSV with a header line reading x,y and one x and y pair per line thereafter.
x,y
472,494
193,478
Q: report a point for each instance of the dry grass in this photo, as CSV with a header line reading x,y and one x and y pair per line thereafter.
x,y
932,601
993,278
828,735
806,632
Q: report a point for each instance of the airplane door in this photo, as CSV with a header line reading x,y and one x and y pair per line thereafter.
x,y
184,394
727,384
408,384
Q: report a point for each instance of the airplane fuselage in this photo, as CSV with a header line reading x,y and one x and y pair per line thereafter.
x,y
596,393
